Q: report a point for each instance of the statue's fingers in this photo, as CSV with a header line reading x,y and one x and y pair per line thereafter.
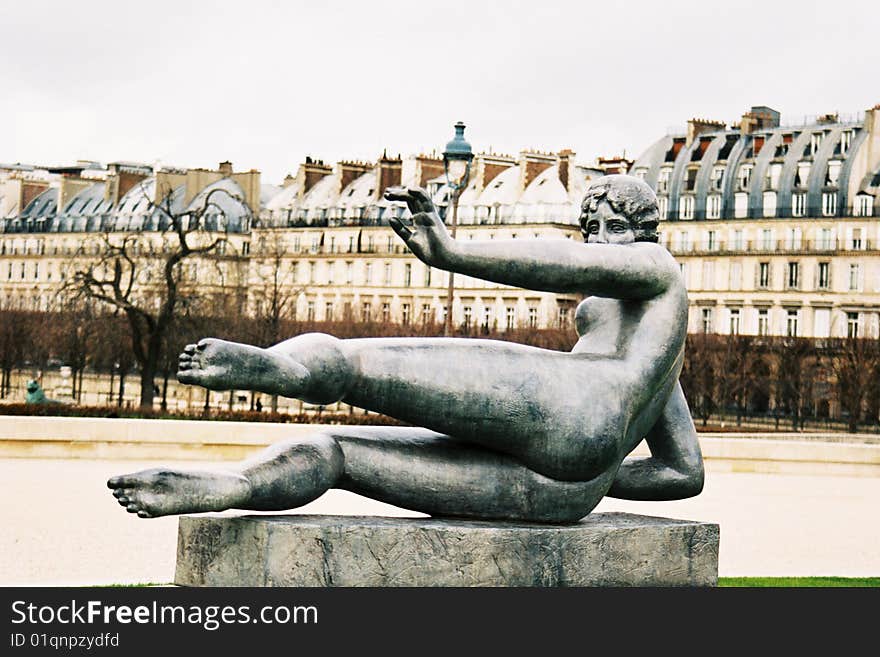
x,y
416,199
398,227
421,199
426,219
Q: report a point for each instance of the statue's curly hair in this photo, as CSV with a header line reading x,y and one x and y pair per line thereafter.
x,y
632,197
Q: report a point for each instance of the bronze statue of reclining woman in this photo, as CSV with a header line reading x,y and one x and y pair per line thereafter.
x,y
510,432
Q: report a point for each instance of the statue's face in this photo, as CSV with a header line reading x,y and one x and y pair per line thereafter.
x,y
605,226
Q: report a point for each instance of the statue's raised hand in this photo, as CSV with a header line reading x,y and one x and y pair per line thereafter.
x,y
426,235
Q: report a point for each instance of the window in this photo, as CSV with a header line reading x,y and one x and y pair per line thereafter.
x,y
316,244
864,206
487,317
312,272
763,322
663,180
852,325
793,239
822,323
564,316
510,317
366,311
717,178
791,323
712,240
845,141
331,271
714,207
427,276
793,275
829,204
798,205
404,313
855,242
427,314
816,142
706,320
310,311
468,314
387,273
685,241
709,275
735,275
349,268
663,206
328,311
825,241
407,275
769,204
824,275
351,243
734,321
687,207
737,240
764,275
386,312
745,176
766,239
36,271
533,317
854,275
297,244
740,205
332,244
368,273
832,174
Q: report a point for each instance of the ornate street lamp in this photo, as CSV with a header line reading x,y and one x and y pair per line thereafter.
x,y
457,162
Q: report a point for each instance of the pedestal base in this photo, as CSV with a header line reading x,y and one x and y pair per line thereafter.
x,y
604,549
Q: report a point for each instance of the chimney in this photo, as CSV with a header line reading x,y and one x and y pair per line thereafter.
x,y
122,178
759,117
350,171
388,175
565,160
613,165
697,127
417,170
488,166
309,173
288,180
71,185
532,163
29,190
225,168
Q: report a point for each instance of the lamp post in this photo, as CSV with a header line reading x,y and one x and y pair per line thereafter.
x,y
457,164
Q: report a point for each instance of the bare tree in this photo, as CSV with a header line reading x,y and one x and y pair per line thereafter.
x,y
854,363
150,276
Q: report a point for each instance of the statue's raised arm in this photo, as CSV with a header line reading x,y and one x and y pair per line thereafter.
x,y
623,261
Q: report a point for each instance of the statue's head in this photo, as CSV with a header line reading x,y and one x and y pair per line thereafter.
x,y
619,209
32,385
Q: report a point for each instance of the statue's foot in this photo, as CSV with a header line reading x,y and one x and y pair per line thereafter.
x,y
158,492
221,365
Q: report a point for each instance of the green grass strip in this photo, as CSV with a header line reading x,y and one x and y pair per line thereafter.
x,y
799,581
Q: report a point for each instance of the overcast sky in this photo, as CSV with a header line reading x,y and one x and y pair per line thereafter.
x,y
264,84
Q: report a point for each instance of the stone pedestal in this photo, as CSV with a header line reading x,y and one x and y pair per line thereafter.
x,y
604,549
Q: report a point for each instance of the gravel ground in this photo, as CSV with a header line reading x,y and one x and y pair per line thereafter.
x,y
61,526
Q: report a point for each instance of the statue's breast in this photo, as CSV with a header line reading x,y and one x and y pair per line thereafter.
x,y
598,321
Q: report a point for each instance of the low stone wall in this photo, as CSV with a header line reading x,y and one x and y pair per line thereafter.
x,y
176,440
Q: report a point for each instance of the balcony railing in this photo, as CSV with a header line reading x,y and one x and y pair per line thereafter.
x,y
754,247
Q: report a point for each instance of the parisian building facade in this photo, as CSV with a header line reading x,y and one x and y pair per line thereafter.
x,y
774,226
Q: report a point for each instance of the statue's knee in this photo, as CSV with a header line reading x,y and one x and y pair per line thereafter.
x,y
330,370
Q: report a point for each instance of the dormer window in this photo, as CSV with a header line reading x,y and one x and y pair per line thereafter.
x,y
663,180
829,204
832,174
864,205
816,141
745,176
717,178
845,141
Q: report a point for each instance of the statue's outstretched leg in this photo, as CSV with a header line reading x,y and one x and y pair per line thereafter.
x,y
413,468
561,414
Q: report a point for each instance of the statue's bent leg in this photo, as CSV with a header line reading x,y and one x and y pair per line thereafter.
x,y
413,468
